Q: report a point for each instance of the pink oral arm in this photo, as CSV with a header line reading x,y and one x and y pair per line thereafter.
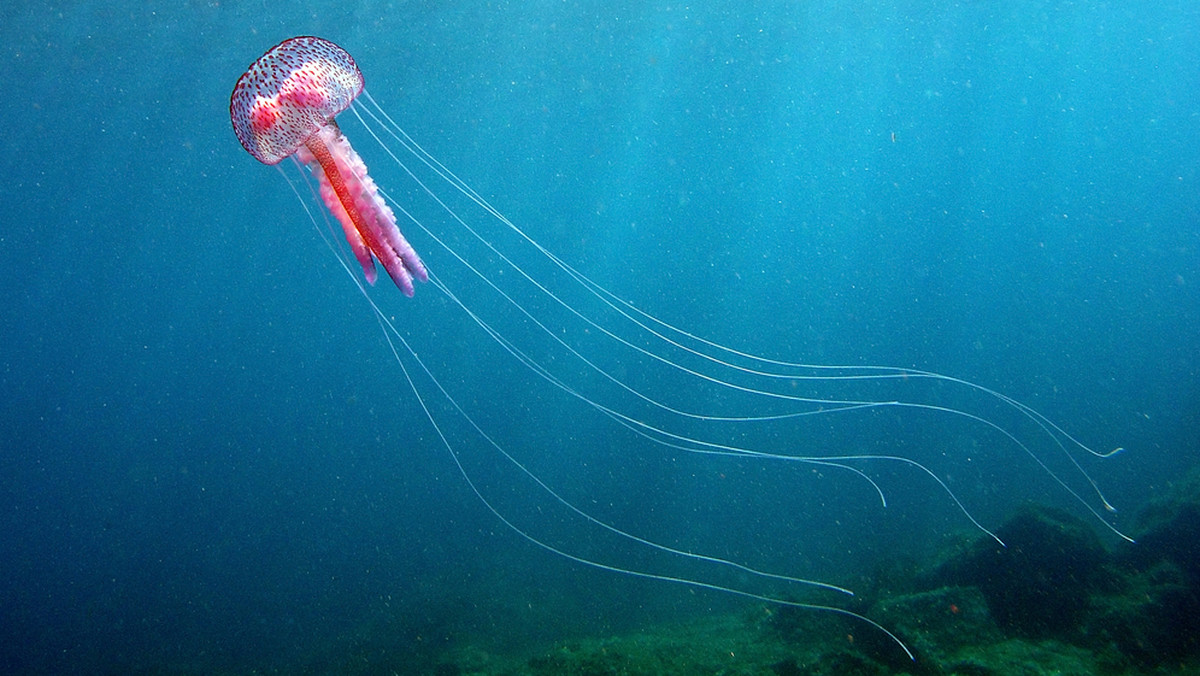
x,y
354,200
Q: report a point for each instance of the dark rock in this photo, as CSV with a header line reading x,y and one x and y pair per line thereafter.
x,y
1169,530
1154,620
1038,585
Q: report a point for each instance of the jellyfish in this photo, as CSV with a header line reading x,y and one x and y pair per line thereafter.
x,y
284,106
606,376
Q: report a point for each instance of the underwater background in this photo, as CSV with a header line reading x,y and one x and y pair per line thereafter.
x,y
210,461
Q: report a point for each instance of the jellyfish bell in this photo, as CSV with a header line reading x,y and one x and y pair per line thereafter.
x,y
284,106
555,347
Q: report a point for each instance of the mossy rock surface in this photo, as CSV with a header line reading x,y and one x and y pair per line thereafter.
x,y
1018,657
936,624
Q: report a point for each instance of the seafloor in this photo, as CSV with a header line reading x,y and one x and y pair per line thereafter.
x,y
1053,601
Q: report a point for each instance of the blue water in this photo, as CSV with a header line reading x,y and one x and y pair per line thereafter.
x,y
210,460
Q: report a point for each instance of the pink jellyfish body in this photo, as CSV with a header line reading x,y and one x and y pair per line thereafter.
x,y
284,105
